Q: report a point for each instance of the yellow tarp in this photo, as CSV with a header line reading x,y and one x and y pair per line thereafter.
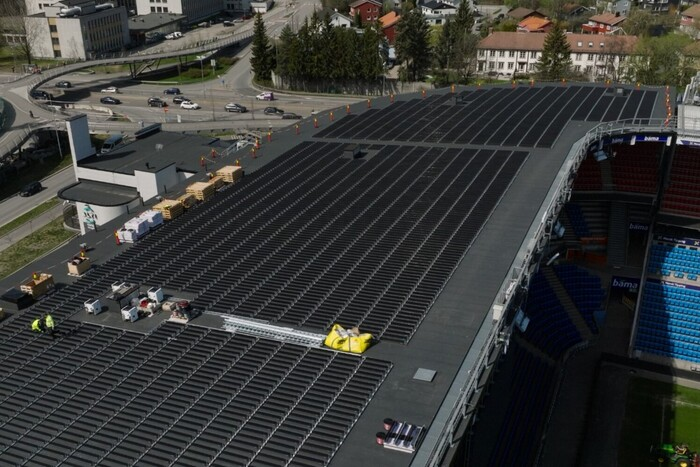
x,y
348,340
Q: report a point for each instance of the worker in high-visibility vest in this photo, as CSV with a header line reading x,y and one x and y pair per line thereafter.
x,y
38,325
50,326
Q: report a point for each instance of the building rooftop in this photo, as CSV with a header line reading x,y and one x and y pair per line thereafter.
x,y
103,194
692,12
607,18
153,21
155,152
389,19
411,241
500,40
534,24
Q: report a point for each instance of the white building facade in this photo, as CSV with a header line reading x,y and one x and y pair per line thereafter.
x,y
195,10
598,57
77,29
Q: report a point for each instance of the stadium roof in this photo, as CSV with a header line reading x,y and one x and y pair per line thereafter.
x,y
412,241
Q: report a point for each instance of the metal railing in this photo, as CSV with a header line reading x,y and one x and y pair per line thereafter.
x,y
442,437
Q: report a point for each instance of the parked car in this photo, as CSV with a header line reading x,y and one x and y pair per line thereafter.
x,y
180,99
228,24
238,20
273,111
175,91
41,95
190,106
64,84
110,89
173,35
30,189
109,100
290,116
156,102
265,96
233,107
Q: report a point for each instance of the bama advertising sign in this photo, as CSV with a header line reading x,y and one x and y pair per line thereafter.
x,y
639,227
625,283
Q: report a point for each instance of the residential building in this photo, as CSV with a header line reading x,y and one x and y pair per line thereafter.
x,y
655,6
688,20
572,10
521,13
535,24
606,23
339,20
617,7
597,57
389,22
369,10
436,8
80,29
195,10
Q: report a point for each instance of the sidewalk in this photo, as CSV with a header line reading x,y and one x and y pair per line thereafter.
x,y
30,227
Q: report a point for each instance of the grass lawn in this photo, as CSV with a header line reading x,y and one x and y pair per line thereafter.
x,y
27,216
33,246
658,413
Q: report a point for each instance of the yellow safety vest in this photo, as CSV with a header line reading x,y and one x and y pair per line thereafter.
x,y
49,321
36,325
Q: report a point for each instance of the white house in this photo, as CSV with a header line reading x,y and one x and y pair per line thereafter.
x,y
596,56
77,29
436,12
339,20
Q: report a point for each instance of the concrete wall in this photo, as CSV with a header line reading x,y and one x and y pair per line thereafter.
x,y
84,173
79,138
195,10
103,214
151,184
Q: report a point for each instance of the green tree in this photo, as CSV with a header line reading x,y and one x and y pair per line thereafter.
x,y
639,23
262,59
663,61
412,45
555,62
464,42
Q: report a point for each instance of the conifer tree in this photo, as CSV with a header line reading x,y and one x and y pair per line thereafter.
x,y
262,59
555,62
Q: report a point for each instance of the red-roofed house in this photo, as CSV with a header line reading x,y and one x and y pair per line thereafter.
x,y
688,18
534,24
607,23
369,10
389,22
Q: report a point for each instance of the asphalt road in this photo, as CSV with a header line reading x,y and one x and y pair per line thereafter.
x,y
15,206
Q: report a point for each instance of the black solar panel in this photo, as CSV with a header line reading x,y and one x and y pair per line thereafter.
x,y
550,135
180,396
589,104
600,108
630,109
646,107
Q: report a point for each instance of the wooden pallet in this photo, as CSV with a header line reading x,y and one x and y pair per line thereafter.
x,y
230,173
217,181
201,190
170,209
187,200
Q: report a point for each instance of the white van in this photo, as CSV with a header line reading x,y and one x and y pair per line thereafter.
x,y
111,143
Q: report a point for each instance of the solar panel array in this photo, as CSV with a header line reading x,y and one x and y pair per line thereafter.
x,y
525,117
315,238
184,395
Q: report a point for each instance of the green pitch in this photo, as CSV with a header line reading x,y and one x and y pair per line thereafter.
x,y
658,413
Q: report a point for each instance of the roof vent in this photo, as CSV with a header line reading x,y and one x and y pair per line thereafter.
x,y
159,147
424,374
